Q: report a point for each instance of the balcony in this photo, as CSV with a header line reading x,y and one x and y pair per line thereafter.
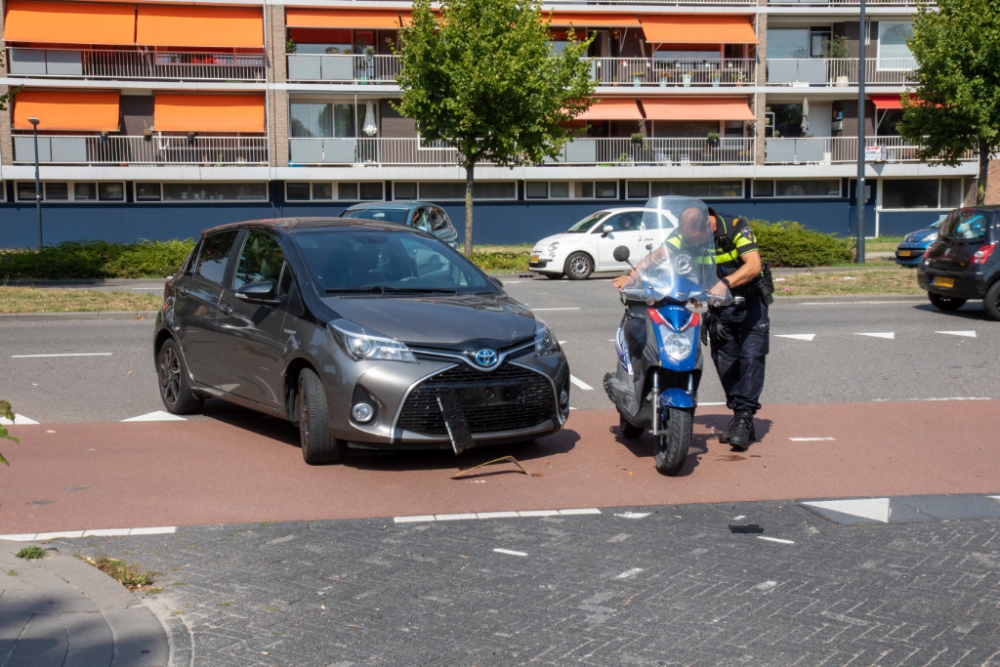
x,y
581,152
807,72
838,150
148,65
849,3
348,69
126,151
663,72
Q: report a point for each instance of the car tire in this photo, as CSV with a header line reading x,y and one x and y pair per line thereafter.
x,y
318,444
991,302
579,266
553,276
942,302
175,391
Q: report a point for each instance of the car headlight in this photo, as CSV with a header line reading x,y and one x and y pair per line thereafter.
x,y
553,245
931,237
362,343
677,346
545,340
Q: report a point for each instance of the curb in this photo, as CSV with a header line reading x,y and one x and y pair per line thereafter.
x,y
98,315
138,635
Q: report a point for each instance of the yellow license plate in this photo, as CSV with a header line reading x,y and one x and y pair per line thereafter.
x,y
905,253
534,259
943,282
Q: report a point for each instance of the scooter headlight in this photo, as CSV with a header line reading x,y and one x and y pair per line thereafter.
x,y
683,264
677,346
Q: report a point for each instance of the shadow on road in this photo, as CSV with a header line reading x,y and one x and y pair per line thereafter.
x,y
972,311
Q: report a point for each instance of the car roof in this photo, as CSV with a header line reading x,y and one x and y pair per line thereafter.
x,y
387,204
298,224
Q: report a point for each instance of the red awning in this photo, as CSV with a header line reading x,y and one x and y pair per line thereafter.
x,y
887,102
620,108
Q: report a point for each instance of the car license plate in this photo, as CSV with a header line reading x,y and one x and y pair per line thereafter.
x,y
905,253
454,421
534,259
943,282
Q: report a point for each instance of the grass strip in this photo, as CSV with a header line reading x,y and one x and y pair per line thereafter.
x,y
39,300
889,280
132,577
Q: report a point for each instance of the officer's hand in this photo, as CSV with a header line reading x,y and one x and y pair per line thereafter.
x,y
622,281
719,289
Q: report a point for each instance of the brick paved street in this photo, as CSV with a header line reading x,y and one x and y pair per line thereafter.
x,y
671,588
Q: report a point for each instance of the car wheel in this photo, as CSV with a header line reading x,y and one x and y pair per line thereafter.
x,y
945,302
553,276
579,266
175,392
991,302
318,444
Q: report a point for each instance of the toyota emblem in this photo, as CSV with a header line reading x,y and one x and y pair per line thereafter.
x,y
486,358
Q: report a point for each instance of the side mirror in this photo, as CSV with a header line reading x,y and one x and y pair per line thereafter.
x,y
496,282
259,291
621,253
606,229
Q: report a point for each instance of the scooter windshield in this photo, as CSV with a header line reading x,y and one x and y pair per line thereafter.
x,y
682,267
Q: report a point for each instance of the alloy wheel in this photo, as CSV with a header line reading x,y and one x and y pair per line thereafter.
x,y
579,266
303,416
170,375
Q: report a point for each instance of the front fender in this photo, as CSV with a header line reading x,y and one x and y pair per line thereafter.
x,y
676,398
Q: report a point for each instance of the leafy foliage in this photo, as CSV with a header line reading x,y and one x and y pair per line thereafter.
x,y
31,553
786,243
6,413
96,259
483,78
956,108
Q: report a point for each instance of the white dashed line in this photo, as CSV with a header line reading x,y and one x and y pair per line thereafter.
x,y
69,354
496,515
426,518
810,439
100,532
628,574
414,519
510,553
454,517
722,403
538,513
888,335
967,334
947,398
580,383
774,539
633,515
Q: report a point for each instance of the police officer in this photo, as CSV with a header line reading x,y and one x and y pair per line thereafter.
x,y
740,335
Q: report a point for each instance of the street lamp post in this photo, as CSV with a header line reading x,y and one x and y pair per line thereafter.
x,y
860,190
38,183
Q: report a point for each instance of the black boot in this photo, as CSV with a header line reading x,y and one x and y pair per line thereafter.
x,y
742,433
727,435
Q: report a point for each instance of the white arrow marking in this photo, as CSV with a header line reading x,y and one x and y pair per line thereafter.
x,y
19,420
888,335
995,497
876,509
967,334
563,342
158,416
580,383
807,337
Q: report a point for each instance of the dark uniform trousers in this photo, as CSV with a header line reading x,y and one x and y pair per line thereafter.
x,y
740,360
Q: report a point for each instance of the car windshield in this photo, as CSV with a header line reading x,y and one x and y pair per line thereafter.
x,y
352,261
582,226
376,213
965,224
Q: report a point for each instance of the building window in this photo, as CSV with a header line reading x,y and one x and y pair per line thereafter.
x,y
827,187
893,53
546,190
638,189
710,189
148,192
332,119
72,192
922,193
404,190
183,193
595,190
787,43
455,191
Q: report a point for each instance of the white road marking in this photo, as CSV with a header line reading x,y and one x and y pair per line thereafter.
x,y
967,334
889,335
513,282
581,511
633,515
70,354
807,337
496,515
949,398
876,509
422,518
538,310
767,585
100,532
158,416
510,553
563,342
454,517
538,513
737,518
810,439
722,403
775,539
19,420
413,519
994,497
628,574
580,383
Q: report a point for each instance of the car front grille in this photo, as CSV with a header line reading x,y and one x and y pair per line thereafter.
x,y
533,403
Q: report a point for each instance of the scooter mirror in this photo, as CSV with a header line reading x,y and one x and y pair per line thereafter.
x,y
621,253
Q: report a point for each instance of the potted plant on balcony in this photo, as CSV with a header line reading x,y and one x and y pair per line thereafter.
x,y
738,79
713,139
664,78
625,160
716,79
637,78
838,49
638,139
686,78
291,46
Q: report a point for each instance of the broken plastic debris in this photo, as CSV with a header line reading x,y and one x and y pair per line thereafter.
x,y
745,528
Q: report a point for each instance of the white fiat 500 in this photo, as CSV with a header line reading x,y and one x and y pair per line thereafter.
x,y
588,246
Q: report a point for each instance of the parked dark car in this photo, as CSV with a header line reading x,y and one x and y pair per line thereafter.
x,y
961,264
915,244
418,214
366,334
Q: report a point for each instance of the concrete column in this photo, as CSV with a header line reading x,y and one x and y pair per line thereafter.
x,y
6,143
278,121
761,103
276,61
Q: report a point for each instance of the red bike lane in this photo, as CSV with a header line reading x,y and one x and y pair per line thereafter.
x,y
124,475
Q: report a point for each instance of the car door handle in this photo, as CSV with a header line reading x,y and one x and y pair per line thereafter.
x,y
226,308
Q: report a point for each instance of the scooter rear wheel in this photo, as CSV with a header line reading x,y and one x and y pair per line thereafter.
x,y
628,430
672,446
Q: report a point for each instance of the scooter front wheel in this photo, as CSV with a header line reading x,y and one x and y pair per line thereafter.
x,y
672,446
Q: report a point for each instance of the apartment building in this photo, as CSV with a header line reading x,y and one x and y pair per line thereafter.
x,y
157,120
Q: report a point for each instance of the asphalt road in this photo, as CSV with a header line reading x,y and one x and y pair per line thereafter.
x,y
837,365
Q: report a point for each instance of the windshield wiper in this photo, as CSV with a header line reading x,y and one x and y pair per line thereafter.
x,y
417,290
375,289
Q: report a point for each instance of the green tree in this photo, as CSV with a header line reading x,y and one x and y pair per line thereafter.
x,y
483,78
956,107
7,413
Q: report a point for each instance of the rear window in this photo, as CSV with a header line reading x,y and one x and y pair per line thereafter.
x,y
397,215
966,224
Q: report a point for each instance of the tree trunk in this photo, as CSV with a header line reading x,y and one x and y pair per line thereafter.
x,y
984,172
470,175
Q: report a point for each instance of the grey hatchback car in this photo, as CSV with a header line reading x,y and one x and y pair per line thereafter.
x,y
366,334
